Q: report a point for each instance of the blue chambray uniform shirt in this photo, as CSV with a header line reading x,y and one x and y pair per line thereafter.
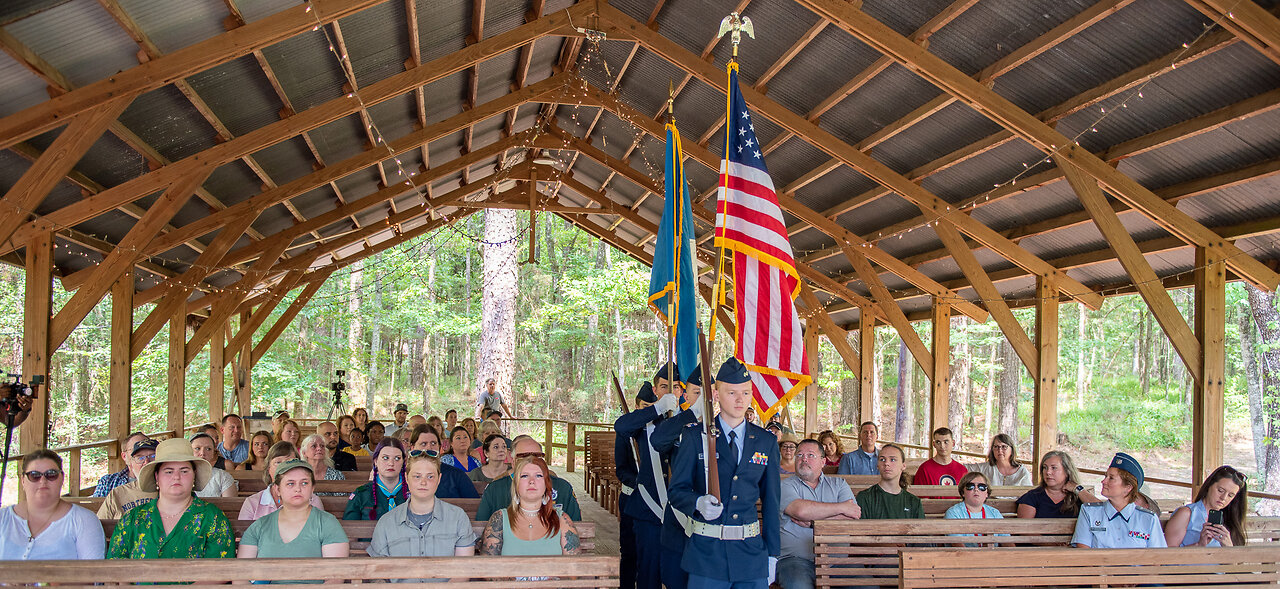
x,y
859,462
1101,526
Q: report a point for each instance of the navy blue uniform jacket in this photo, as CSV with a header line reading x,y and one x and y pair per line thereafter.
x,y
754,478
665,439
632,427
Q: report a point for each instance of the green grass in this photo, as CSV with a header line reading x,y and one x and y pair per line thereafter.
x,y
1116,415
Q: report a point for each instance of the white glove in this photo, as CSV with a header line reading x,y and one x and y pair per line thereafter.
x,y
773,569
666,404
709,507
696,408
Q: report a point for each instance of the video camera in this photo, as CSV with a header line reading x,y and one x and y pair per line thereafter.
x,y
338,387
11,391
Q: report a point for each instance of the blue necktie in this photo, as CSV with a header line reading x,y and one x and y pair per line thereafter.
x,y
733,445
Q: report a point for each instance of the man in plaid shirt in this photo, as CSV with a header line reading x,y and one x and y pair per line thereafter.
x,y
115,479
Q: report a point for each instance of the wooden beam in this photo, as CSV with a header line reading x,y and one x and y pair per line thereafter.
x,y
867,354
244,337
811,391
1048,140
217,376
987,293
891,310
1045,418
1207,401
125,255
1250,22
277,328
36,346
230,299
175,415
319,115
1144,277
120,384
838,337
940,379
21,200
177,65
625,26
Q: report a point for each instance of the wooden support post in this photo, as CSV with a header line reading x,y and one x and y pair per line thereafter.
x,y
120,417
547,439
867,354
36,349
940,380
177,405
73,472
1207,398
811,391
1046,396
570,447
244,374
217,374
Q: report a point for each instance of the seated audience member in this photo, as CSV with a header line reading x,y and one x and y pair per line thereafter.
x,y
259,444
497,466
498,494
424,526
332,442
454,483
41,526
531,524
220,484
1059,493
468,424
357,447
1118,522
941,469
233,446
417,420
775,428
460,451
291,432
400,414
487,428
1224,491
386,490
450,419
277,423
361,415
864,459
438,424
112,480
804,498
832,446
787,454
1002,467
214,431
176,524
129,495
974,492
313,450
346,423
1147,502
889,499
298,529
268,499
374,433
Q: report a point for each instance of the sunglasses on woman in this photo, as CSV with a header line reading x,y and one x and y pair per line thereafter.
x,y
417,453
35,475
978,486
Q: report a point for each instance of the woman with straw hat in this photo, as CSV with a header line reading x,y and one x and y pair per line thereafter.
x,y
176,524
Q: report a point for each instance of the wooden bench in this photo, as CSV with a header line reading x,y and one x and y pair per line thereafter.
x,y
231,505
360,532
475,572
1240,568
600,477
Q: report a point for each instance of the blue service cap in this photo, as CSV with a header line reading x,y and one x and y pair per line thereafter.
x,y
663,373
1128,464
646,394
733,372
696,378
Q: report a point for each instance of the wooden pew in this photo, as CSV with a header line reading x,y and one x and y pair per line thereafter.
x,y
231,505
360,532
600,477
1240,568
477,572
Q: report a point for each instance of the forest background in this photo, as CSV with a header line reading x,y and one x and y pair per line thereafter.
x,y
425,323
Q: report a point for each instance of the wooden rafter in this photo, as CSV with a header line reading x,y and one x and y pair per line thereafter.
x,y
1246,20
873,169
1042,136
244,337
891,310
290,314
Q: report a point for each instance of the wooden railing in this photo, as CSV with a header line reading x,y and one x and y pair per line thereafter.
x,y
72,460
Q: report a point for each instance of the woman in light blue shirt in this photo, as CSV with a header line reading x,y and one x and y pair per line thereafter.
x,y
1225,491
1118,522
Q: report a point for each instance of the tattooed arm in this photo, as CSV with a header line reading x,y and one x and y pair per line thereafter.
x,y
491,539
570,543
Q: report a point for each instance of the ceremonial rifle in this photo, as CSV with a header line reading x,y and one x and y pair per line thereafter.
x,y
712,432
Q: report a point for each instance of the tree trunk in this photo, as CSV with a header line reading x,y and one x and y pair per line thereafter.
x,y
1267,320
498,302
355,333
1082,365
1010,389
375,347
877,383
990,393
902,417
1146,340
850,397
959,388
1253,384
465,381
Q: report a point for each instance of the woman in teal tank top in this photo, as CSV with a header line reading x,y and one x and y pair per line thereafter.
x,y
530,526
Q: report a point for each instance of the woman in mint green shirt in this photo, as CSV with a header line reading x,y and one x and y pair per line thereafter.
x,y
297,529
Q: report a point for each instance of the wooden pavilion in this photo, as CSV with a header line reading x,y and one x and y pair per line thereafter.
x,y
210,156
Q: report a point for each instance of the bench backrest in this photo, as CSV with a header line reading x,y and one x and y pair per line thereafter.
x,y
231,505
479,571
1241,567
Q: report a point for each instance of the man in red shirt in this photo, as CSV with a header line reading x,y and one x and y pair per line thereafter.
x,y
941,469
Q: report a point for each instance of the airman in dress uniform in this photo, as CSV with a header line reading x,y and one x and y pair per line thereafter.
x,y
647,503
626,469
665,439
1118,522
730,547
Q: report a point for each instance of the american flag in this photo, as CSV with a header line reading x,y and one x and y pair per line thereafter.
x,y
749,222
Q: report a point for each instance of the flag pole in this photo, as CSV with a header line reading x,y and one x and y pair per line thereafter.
x,y
674,297
736,25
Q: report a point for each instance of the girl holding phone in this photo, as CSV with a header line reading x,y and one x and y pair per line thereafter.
x,y
1217,516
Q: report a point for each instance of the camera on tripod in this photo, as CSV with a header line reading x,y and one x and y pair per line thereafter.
x,y
11,391
338,387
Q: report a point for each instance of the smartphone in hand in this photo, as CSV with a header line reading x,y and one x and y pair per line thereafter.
x,y
1215,516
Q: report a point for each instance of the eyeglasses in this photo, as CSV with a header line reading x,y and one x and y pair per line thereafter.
x,y
417,453
35,475
531,455
788,446
809,456
978,486
145,458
